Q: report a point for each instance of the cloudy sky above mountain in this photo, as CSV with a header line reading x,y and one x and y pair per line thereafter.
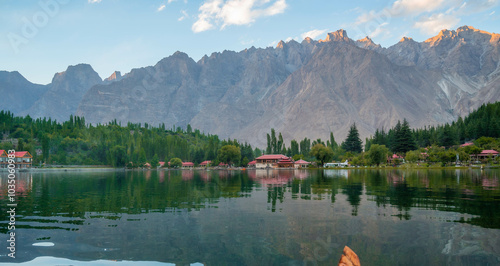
x,y
40,38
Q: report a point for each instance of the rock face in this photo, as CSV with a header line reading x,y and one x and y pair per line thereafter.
x,y
302,89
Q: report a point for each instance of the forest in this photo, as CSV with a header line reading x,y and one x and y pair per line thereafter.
x,y
75,142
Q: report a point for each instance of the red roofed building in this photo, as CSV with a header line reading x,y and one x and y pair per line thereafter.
x,y
484,155
161,164
467,144
223,165
205,163
269,160
23,159
187,165
301,164
3,159
252,164
285,163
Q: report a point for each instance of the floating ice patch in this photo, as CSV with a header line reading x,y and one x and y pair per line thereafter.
x,y
44,244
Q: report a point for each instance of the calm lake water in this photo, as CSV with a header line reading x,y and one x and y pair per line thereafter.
x,y
259,217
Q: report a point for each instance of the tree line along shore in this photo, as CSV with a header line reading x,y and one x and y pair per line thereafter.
x,y
135,145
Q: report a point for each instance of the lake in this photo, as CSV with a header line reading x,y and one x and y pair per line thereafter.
x,y
255,217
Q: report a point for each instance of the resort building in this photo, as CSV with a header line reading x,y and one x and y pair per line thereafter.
x,y
3,159
301,164
187,165
252,164
205,163
484,155
285,163
273,161
466,144
23,159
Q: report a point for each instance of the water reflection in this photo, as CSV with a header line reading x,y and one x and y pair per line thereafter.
x,y
282,215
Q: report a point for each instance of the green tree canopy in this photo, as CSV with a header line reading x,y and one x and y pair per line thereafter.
x,y
175,162
155,161
412,156
322,153
377,154
244,162
229,154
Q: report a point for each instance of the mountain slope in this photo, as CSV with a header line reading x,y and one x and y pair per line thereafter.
x,y
302,89
343,84
64,93
18,94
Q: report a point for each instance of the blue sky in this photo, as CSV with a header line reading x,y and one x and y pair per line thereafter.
x,y
40,38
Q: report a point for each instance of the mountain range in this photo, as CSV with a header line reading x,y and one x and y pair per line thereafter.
x,y
305,89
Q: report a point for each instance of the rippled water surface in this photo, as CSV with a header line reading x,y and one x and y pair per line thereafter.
x,y
256,217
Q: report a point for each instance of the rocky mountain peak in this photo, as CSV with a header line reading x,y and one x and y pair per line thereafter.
x,y
471,34
467,28
308,40
337,36
82,72
467,34
368,43
116,76
14,75
366,40
444,35
406,39
281,45
178,58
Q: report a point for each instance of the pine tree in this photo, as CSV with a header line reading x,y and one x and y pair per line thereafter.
x,y
407,141
353,142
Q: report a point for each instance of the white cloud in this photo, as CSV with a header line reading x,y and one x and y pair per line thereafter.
x,y
379,30
184,15
431,16
208,11
312,34
405,8
161,8
411,7
477,6
235,12
94,1
436,22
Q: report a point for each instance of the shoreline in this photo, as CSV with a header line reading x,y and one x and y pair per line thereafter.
x,y
111,169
